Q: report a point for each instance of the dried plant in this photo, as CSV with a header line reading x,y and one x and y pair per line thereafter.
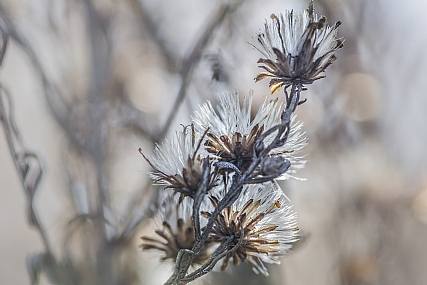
x,y
234,160
298,48
221,201
79,94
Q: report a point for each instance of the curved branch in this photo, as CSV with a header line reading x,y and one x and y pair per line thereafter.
x,y
193,57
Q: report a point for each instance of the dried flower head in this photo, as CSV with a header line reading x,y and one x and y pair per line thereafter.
x,y
297,48
232,133
176,232
178,164
264,216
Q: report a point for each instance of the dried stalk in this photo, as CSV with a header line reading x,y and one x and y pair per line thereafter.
x,y
186,257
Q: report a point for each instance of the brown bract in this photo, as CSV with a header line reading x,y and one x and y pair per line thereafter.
x,y
233,223
171,242
238,150
188,181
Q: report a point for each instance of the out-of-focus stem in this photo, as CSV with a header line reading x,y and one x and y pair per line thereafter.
x,y
191,60
14,141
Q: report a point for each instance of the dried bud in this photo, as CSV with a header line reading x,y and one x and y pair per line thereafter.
x,y
275,165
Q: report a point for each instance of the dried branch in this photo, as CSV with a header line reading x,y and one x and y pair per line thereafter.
x,y
193,57
98,111
28,164
57,105
4,38
149,25
186,71
219,253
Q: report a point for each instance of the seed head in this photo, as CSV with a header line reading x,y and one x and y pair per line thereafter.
x,y
297,48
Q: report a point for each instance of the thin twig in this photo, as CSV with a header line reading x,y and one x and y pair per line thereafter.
x,y
57,105
198,199
20,157
148,24
191,60
210,264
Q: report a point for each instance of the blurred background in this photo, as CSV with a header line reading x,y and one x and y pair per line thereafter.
x,y
86,83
